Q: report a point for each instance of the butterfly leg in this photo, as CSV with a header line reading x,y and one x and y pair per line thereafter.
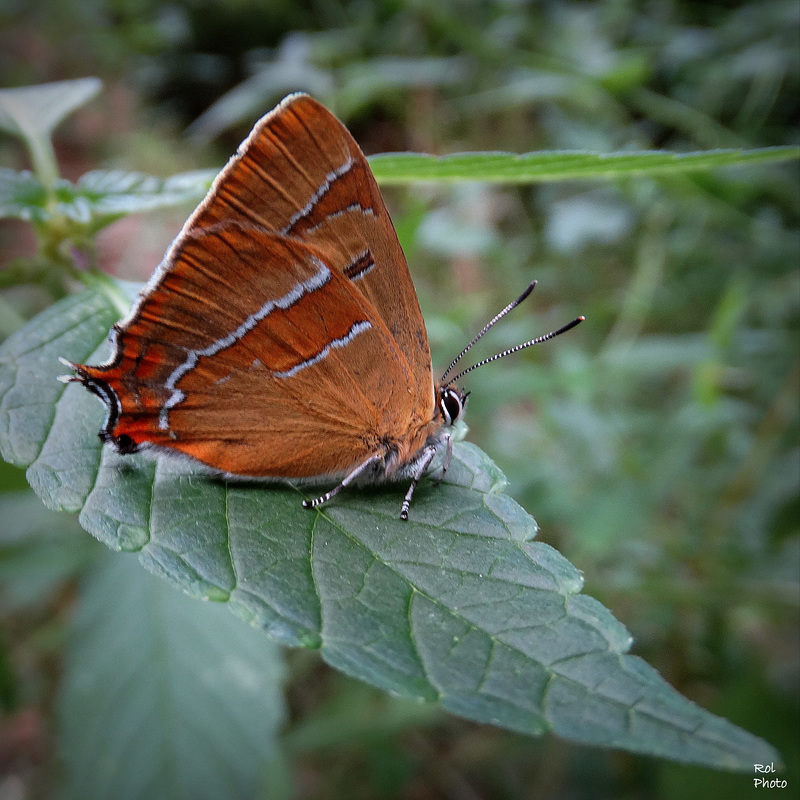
x,y
422,464
347,480
448,455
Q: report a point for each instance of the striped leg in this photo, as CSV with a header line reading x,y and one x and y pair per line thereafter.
x,y
423,463
448,455
348,479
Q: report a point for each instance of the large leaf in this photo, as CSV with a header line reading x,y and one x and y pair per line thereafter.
x,y
164,697
458,605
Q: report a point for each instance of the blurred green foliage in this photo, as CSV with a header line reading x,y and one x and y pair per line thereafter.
x,y
657,445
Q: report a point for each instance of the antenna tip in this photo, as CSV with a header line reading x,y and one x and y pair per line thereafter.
x,y
581,318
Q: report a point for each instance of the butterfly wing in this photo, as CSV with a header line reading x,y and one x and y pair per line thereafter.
x,y
281,335
281,371
301,174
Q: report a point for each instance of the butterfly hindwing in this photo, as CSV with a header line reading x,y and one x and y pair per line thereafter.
x,y
251,385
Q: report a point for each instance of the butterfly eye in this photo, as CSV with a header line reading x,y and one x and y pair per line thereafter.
x,y
452,405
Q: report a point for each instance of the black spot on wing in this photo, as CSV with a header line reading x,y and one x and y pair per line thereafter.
x,y
359,266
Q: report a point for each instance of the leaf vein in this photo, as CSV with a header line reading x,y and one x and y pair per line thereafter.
x,y
228,538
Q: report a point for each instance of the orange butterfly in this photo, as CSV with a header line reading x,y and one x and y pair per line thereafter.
x,y
281,335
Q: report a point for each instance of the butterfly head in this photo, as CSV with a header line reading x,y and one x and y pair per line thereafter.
x,y
451,403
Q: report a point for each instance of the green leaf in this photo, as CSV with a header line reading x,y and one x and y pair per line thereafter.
x,y
39,550
32,112
99,197
458,605
22,196
38,109
398,168
116,192
164,697
29,366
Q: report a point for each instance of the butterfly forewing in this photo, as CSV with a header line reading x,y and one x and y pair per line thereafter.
x,y
301,174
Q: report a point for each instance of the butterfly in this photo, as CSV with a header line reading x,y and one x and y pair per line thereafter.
x,y
281,336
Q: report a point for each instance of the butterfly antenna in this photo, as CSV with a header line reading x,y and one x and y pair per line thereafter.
x,y
486,327
538,340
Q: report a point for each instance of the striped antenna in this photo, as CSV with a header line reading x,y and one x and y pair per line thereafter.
x,y
486,327
538,340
